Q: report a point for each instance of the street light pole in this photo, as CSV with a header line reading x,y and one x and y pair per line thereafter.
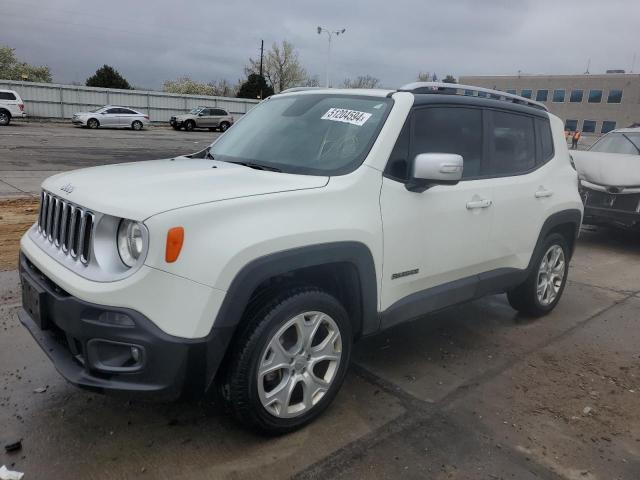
x,y
330,33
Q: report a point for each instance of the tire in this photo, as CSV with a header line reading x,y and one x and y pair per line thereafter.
x,y
93,123
224,126
136,125
525,298
211,129
189,125
5,118
176,127
250,392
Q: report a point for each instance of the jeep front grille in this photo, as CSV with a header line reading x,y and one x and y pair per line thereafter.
x,y
66,226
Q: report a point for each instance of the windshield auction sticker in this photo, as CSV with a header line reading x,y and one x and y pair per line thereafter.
x,y
353,117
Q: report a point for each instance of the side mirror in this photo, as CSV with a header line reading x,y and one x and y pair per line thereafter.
x,y
431,169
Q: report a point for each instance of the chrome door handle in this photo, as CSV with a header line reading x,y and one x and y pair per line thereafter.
x,y
543,193
484,203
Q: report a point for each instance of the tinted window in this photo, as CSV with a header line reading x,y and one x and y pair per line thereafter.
x,y
558,96
128,112
595,96
219,112
526,93
546,139
113,110
542,95
607,126
449,130
615,96
618,143
398,164
7,96
571,125
589,126
511,144
576,96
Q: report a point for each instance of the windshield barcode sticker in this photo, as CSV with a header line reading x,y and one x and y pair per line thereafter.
x,y
353,117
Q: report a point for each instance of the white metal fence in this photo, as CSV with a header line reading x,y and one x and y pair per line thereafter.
x,y
52,100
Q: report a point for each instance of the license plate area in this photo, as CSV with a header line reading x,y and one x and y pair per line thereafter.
x,y
34,302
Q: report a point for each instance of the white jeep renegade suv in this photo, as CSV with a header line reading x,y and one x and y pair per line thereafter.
x,y
251,267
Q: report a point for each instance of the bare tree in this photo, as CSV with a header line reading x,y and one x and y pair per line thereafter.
x,y
187,86
222,88
361,81
424,77
281,68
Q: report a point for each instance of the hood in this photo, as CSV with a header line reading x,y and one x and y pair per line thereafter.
x,y
182,116
609,169
141,189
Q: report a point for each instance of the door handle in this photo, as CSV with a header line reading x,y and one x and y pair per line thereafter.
x,y
484,203
543,193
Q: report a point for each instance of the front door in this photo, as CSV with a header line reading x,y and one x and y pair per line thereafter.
x,y
437,238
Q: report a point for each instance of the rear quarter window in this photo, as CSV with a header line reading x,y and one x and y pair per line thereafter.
x,y
7,96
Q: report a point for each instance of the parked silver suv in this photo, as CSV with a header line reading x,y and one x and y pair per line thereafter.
x,y
203,117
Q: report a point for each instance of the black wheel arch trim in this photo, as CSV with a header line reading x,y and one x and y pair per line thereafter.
x,y
564,217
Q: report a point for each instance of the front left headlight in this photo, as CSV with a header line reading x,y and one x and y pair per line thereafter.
x,y
131,241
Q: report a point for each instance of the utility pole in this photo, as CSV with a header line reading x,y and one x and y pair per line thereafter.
x,y
261,57
329,33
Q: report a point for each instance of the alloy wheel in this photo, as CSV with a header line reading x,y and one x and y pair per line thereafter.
x,y
550,275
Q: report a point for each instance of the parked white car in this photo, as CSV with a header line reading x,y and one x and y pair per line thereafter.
x,y
11,106
610,179
111,116
321,217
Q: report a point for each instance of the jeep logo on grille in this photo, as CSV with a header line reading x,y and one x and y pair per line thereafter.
x,y
614,189
68,188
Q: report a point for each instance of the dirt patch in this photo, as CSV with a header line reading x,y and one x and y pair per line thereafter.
x,y
16,216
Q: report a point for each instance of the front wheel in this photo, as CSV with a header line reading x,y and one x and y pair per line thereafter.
x,y
189,125
93,123
289,361
541,291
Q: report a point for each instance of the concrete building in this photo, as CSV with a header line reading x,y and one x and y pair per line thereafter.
x,y
594,104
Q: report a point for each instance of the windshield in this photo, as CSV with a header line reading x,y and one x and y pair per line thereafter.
x,y
314,134
195,111
626,143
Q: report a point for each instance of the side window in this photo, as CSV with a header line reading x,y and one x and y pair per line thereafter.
x,y
543,131
113,110
219,112
7,96
398,164
449,130
511,140
127,111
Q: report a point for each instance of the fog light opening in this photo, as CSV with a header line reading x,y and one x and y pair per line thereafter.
x,y
114,357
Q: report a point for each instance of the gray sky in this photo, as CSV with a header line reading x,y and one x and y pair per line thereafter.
x,y
150,41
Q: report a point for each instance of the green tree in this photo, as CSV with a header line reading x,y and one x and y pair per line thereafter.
x,y
361,81
13,69
108,77
450,79
255,87
281,67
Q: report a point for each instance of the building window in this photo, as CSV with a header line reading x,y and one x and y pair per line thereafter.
x,y
558,96
526,93
595,96
615,96
589,126
576,96
571,125
607,126
512,91
542,95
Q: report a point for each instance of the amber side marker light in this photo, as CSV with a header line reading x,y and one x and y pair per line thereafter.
x,y
175,239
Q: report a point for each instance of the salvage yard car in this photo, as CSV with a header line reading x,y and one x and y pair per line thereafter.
x,y
203,117
11,106
112,116
610,179
250,268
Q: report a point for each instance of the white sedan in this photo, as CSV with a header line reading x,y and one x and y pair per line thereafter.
x,y
609,175
111,116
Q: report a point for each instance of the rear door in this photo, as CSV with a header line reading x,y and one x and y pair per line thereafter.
x,y
110,118
218,116
438,236
126,117
519,149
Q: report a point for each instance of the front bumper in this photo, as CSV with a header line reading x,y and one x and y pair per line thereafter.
x,y
81,345
617,210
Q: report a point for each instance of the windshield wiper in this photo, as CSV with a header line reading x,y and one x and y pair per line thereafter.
x,y
258,166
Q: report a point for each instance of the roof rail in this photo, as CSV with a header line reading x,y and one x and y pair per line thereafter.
x,y
299,89
469,90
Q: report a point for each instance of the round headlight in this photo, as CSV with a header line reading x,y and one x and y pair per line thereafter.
x,y
130,241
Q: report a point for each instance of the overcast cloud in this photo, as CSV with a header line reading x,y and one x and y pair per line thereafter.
x,y
150,41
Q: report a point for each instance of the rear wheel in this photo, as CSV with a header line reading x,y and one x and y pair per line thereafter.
x,y
136,125
93,123
541,291
224,126
189,125
5,117
289,361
